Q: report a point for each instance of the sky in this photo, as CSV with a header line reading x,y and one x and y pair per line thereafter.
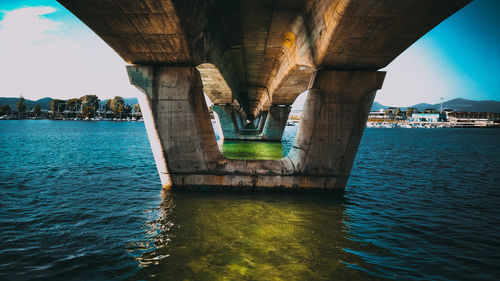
x,y
46,51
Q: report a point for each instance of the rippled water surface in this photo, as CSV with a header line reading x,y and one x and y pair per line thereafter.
x,y
82,201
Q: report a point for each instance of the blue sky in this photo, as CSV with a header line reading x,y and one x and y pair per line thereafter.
x,y
46,51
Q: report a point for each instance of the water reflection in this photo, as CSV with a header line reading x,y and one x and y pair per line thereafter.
x,y
243,236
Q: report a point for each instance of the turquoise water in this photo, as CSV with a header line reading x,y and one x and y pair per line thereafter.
x,y
82,201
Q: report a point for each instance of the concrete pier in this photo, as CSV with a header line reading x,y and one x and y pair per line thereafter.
x,y
176,112
324,149
227,119
332,125
276,122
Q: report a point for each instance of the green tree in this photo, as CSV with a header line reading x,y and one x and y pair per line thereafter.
x,y
89,104
430,110
136,108
387,111
72,104
117,105
37,110
119,110
398,111
409,112
57,106
21,106
127,110
88,111
107,105
4,110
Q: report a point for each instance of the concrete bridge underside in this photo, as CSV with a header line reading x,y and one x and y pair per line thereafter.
x,y
253,58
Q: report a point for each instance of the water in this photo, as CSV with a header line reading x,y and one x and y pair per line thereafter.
x,y
82,201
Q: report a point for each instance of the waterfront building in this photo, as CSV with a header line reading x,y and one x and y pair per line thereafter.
x,y
473,119
427,118
377,115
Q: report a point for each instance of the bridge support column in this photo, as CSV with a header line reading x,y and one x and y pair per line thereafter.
x,y
262,121
332,124
177,120
227,121
276,122
233,125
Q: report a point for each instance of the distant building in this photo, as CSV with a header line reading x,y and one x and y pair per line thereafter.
x,y
476,119
377,115
427,118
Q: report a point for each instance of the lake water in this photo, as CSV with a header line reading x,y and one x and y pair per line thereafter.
x,y
82,201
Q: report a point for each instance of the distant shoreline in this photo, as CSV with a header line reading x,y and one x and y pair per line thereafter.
x,y
73,119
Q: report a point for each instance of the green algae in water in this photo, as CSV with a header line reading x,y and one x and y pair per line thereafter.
x,y
220,236
252,150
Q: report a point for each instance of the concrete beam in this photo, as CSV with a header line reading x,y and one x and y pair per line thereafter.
x,y
214,85
265,51
369,34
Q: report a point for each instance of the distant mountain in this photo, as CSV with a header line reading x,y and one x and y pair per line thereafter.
x,y
464,105
44,103
423,106
376,106
455,104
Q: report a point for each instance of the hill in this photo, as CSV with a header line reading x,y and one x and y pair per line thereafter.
x,y
455,104
464,105
376,106
44,103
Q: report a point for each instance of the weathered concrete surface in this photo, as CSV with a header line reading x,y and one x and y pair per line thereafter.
x,y
332,124
227,119
267,51
179,117
323,153
214,84
276,122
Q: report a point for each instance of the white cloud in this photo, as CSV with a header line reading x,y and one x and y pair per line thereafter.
x,y
39,59
416,76
26,25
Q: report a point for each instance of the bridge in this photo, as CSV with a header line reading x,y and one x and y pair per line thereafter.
x,y
252,58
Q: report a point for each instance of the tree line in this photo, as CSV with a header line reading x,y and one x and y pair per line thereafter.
x,y
88,106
